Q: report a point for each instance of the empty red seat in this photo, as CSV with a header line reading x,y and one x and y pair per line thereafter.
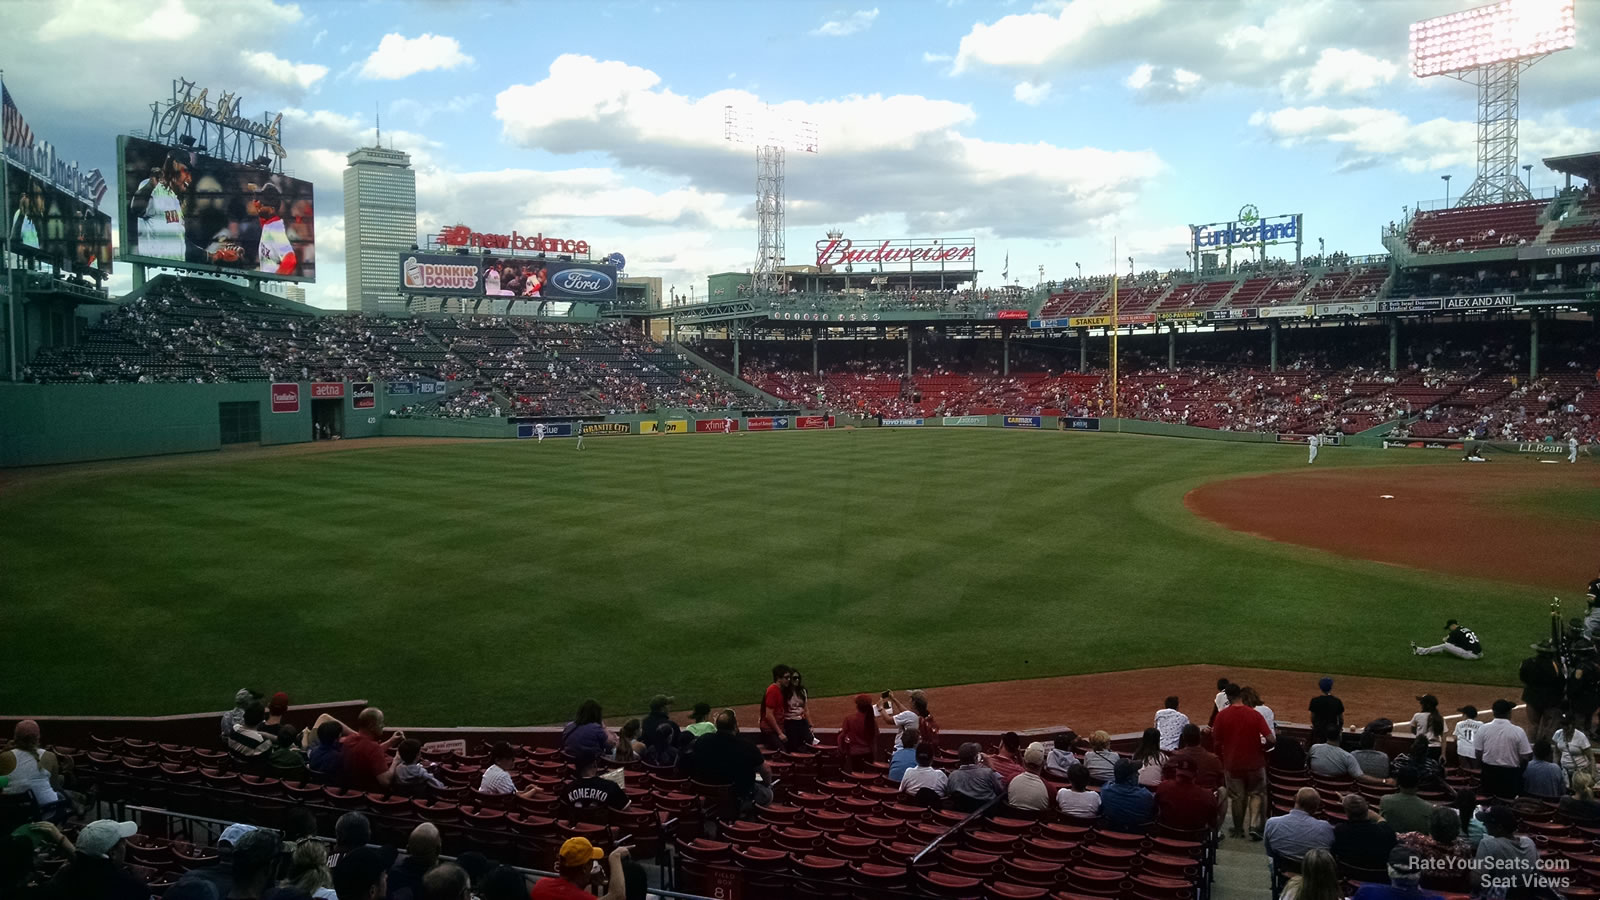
x,y
1048,850
851,846
1005,890
992,842
1090,880
827,820
874,875
1026,870
958,887
968,862
796,840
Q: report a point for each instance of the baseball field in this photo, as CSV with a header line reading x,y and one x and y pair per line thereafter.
x,y
499,583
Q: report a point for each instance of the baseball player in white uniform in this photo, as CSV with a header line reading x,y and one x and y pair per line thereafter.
x,y
157,206
579,427
727,425
1572,449
538,432
275,255
1312,443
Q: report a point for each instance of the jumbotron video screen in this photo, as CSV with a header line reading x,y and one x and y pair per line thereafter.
x,y
52,226
185,209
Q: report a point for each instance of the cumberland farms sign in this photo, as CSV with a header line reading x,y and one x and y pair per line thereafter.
x,y
841,251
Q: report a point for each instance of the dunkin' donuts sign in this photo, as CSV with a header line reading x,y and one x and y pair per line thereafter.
x,y
422,277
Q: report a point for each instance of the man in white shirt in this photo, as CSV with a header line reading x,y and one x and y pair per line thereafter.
x,y
1170,723
892,712
1502,749
1027,791
923,776
1465,734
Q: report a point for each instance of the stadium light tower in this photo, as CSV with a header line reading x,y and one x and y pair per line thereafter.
x,y
773,136
1490,46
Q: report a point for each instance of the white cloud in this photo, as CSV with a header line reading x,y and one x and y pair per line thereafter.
x,y
856,22
1035,39
1366,136
904,152
928,57
298,77
320,35
421,112
398,56
1154,84
1338,72
1030,93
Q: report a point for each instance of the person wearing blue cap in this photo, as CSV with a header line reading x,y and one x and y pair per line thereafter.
x,y
1327,711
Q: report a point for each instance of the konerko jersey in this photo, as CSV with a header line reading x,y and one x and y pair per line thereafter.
x,y
275,246
161,232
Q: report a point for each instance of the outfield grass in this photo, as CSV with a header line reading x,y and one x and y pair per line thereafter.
x,y
500,583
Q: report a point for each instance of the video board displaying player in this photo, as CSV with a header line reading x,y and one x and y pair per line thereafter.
x,y
52,226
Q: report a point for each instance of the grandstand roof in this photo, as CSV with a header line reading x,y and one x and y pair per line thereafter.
x,y
1583,165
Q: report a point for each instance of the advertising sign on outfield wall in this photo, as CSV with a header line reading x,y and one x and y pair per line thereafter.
x,y
978,421
716,426
902,423
1419,444
327,390
1079,423
286,398
813,421
363,395
1358,308
766,423
1328,440
605,428
551,429
1022,422
1283,312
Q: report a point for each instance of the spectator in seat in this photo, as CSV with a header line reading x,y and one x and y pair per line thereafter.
x,y
1574,753
286,758
660,714
1170,722
661,748
1150,758
1059,759
1419,756
587,733
1373,762
858,735
1027,791
1184,805
351,831
923,776
575,863
326,756
361,874
773,704
1318,879
234,716
497,778
277,708
1502,852
504,883
1298,831
1125,805
247,743
96,870
1077,800
1502,749
1362,839
366,762
1405,880
1220,701
1403,809
701,724
422,853
447,881
1427,723
1326,709
308,871
589,790
1581,805
1543,778
1208,772
409,769
1443,840
725,757
1329,760
254,859
906,756
30,770
477,866
1465,737
973,784
629,745
1101,760
1007,758
220,873
1239,733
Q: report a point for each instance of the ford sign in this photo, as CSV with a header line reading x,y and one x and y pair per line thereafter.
x,y
583,282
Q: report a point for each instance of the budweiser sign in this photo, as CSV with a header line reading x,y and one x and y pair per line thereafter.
x,y
839,251
462,236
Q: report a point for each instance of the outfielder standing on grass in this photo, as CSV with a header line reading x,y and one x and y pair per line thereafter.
x,y
1312,443
1458,641
1572,449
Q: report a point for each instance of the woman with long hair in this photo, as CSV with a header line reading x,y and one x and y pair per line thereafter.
x,y
1149,757
1318,879
628,745
308,870
1581,805
796,713
1428,723
858,735
587,733
1573,750
1421,757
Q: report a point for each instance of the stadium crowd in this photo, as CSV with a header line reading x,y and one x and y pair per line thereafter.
x,y
1349,802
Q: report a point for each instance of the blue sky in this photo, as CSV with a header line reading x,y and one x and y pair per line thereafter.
x,y
1041,129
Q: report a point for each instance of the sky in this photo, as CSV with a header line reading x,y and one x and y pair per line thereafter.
x,y
1041,130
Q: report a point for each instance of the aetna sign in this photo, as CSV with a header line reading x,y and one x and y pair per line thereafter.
x,y
842,251
462,236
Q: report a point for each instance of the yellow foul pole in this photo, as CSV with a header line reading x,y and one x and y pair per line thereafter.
x,y
1114,328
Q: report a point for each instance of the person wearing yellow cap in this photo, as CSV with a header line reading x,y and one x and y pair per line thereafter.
x,y
576,861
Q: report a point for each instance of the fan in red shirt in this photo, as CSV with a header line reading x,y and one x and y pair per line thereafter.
x,y
1184,805
773,704
1241,737
366,765
858,735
